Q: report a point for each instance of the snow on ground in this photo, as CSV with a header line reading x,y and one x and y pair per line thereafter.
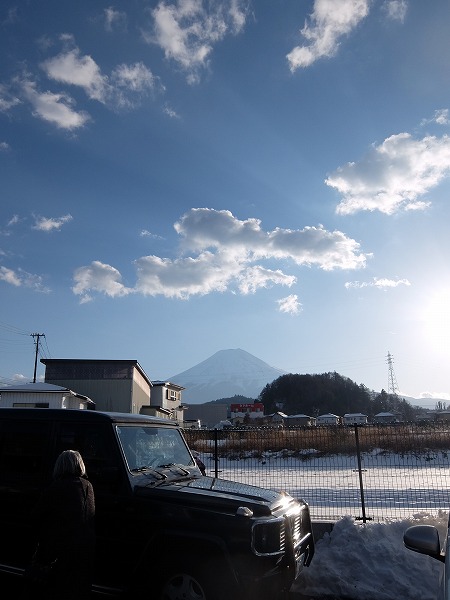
x,y
395,486
358,561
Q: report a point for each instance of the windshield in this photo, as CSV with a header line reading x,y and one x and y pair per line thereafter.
x,y
153,447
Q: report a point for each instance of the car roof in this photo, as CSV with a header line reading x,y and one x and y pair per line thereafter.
x,y
63,414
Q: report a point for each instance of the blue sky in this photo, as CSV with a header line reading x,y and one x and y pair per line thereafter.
x,y
179,178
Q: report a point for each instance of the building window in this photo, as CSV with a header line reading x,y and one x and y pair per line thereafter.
x,y
80,371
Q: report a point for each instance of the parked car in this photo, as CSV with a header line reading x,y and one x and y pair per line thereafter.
x,y
163,529
425,539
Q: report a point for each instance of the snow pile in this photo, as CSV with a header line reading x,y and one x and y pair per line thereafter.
x,y
369,562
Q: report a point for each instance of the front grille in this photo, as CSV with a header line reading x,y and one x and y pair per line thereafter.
x,y
295,521
282,538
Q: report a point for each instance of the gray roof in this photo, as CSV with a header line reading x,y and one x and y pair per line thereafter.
x,y
43,388
36,388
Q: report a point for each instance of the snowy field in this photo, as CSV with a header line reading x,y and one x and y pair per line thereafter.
x,y
357,560
394,486
369,562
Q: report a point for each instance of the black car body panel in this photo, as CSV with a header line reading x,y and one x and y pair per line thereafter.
x,y
148,517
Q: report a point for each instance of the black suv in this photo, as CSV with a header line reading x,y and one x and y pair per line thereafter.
x,y
163,529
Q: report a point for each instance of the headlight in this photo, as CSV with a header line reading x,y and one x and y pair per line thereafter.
x,y
268,537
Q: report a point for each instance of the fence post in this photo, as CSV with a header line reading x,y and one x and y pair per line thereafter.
x,y
361,486
216,454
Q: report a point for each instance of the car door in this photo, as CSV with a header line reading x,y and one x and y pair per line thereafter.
x,y
116,546
24,471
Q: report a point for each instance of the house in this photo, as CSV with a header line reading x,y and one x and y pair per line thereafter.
x,y
443,415
246,413
277,418
165,401
114,385
355,419
43,395
384,417
299,421
328,419
226,424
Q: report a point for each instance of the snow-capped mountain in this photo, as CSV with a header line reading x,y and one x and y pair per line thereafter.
x,y
225,374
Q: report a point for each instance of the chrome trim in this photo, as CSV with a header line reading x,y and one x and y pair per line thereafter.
x,y
282,531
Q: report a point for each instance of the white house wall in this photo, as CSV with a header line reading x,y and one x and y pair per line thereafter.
x,y
9,400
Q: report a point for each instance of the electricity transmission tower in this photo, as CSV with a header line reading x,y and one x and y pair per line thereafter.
x,y
392,380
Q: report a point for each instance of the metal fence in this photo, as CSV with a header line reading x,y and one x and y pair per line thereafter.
x,y
367,472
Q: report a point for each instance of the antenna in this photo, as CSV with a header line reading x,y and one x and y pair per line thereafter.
x,y
392,380
37,336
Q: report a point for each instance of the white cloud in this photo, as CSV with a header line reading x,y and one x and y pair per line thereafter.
x,y
7,100
396,9
21,278
170,112
98,277
187,30
440,117
146,233
380,283
393,176
253,278
13,220
9,276
7,232
290,305
129,83
203,228
135,77
436,395
329,21
225,254
4,147
185,277
114,19
123,89
18,377
54,108
51,223
71,68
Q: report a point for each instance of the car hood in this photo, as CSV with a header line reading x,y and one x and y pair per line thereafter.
x,y
211,491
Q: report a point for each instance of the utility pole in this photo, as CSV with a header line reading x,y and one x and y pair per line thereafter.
x,y
392,380
36,341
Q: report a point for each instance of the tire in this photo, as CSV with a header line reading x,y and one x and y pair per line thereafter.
x,y
191,582
184,585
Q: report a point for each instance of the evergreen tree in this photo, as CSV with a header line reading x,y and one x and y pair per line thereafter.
x,y
329,393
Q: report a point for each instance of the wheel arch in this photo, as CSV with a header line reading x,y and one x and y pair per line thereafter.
x,y
170,547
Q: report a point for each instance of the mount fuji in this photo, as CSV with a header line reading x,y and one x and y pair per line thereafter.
x,y
225,374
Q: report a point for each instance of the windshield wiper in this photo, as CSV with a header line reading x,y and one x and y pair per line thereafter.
x,y
151,471
179,467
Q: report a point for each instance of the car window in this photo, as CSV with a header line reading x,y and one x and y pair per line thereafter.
x,y
95,446
24,450
153,446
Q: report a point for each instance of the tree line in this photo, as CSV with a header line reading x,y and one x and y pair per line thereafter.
x,y
324,393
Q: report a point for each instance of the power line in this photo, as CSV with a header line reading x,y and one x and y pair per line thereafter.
x,y
13,329
15,341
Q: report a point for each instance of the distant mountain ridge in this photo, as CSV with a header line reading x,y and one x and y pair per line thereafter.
x,y
235,372
225,374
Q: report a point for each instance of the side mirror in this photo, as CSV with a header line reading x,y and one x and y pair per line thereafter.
x,y
425,540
